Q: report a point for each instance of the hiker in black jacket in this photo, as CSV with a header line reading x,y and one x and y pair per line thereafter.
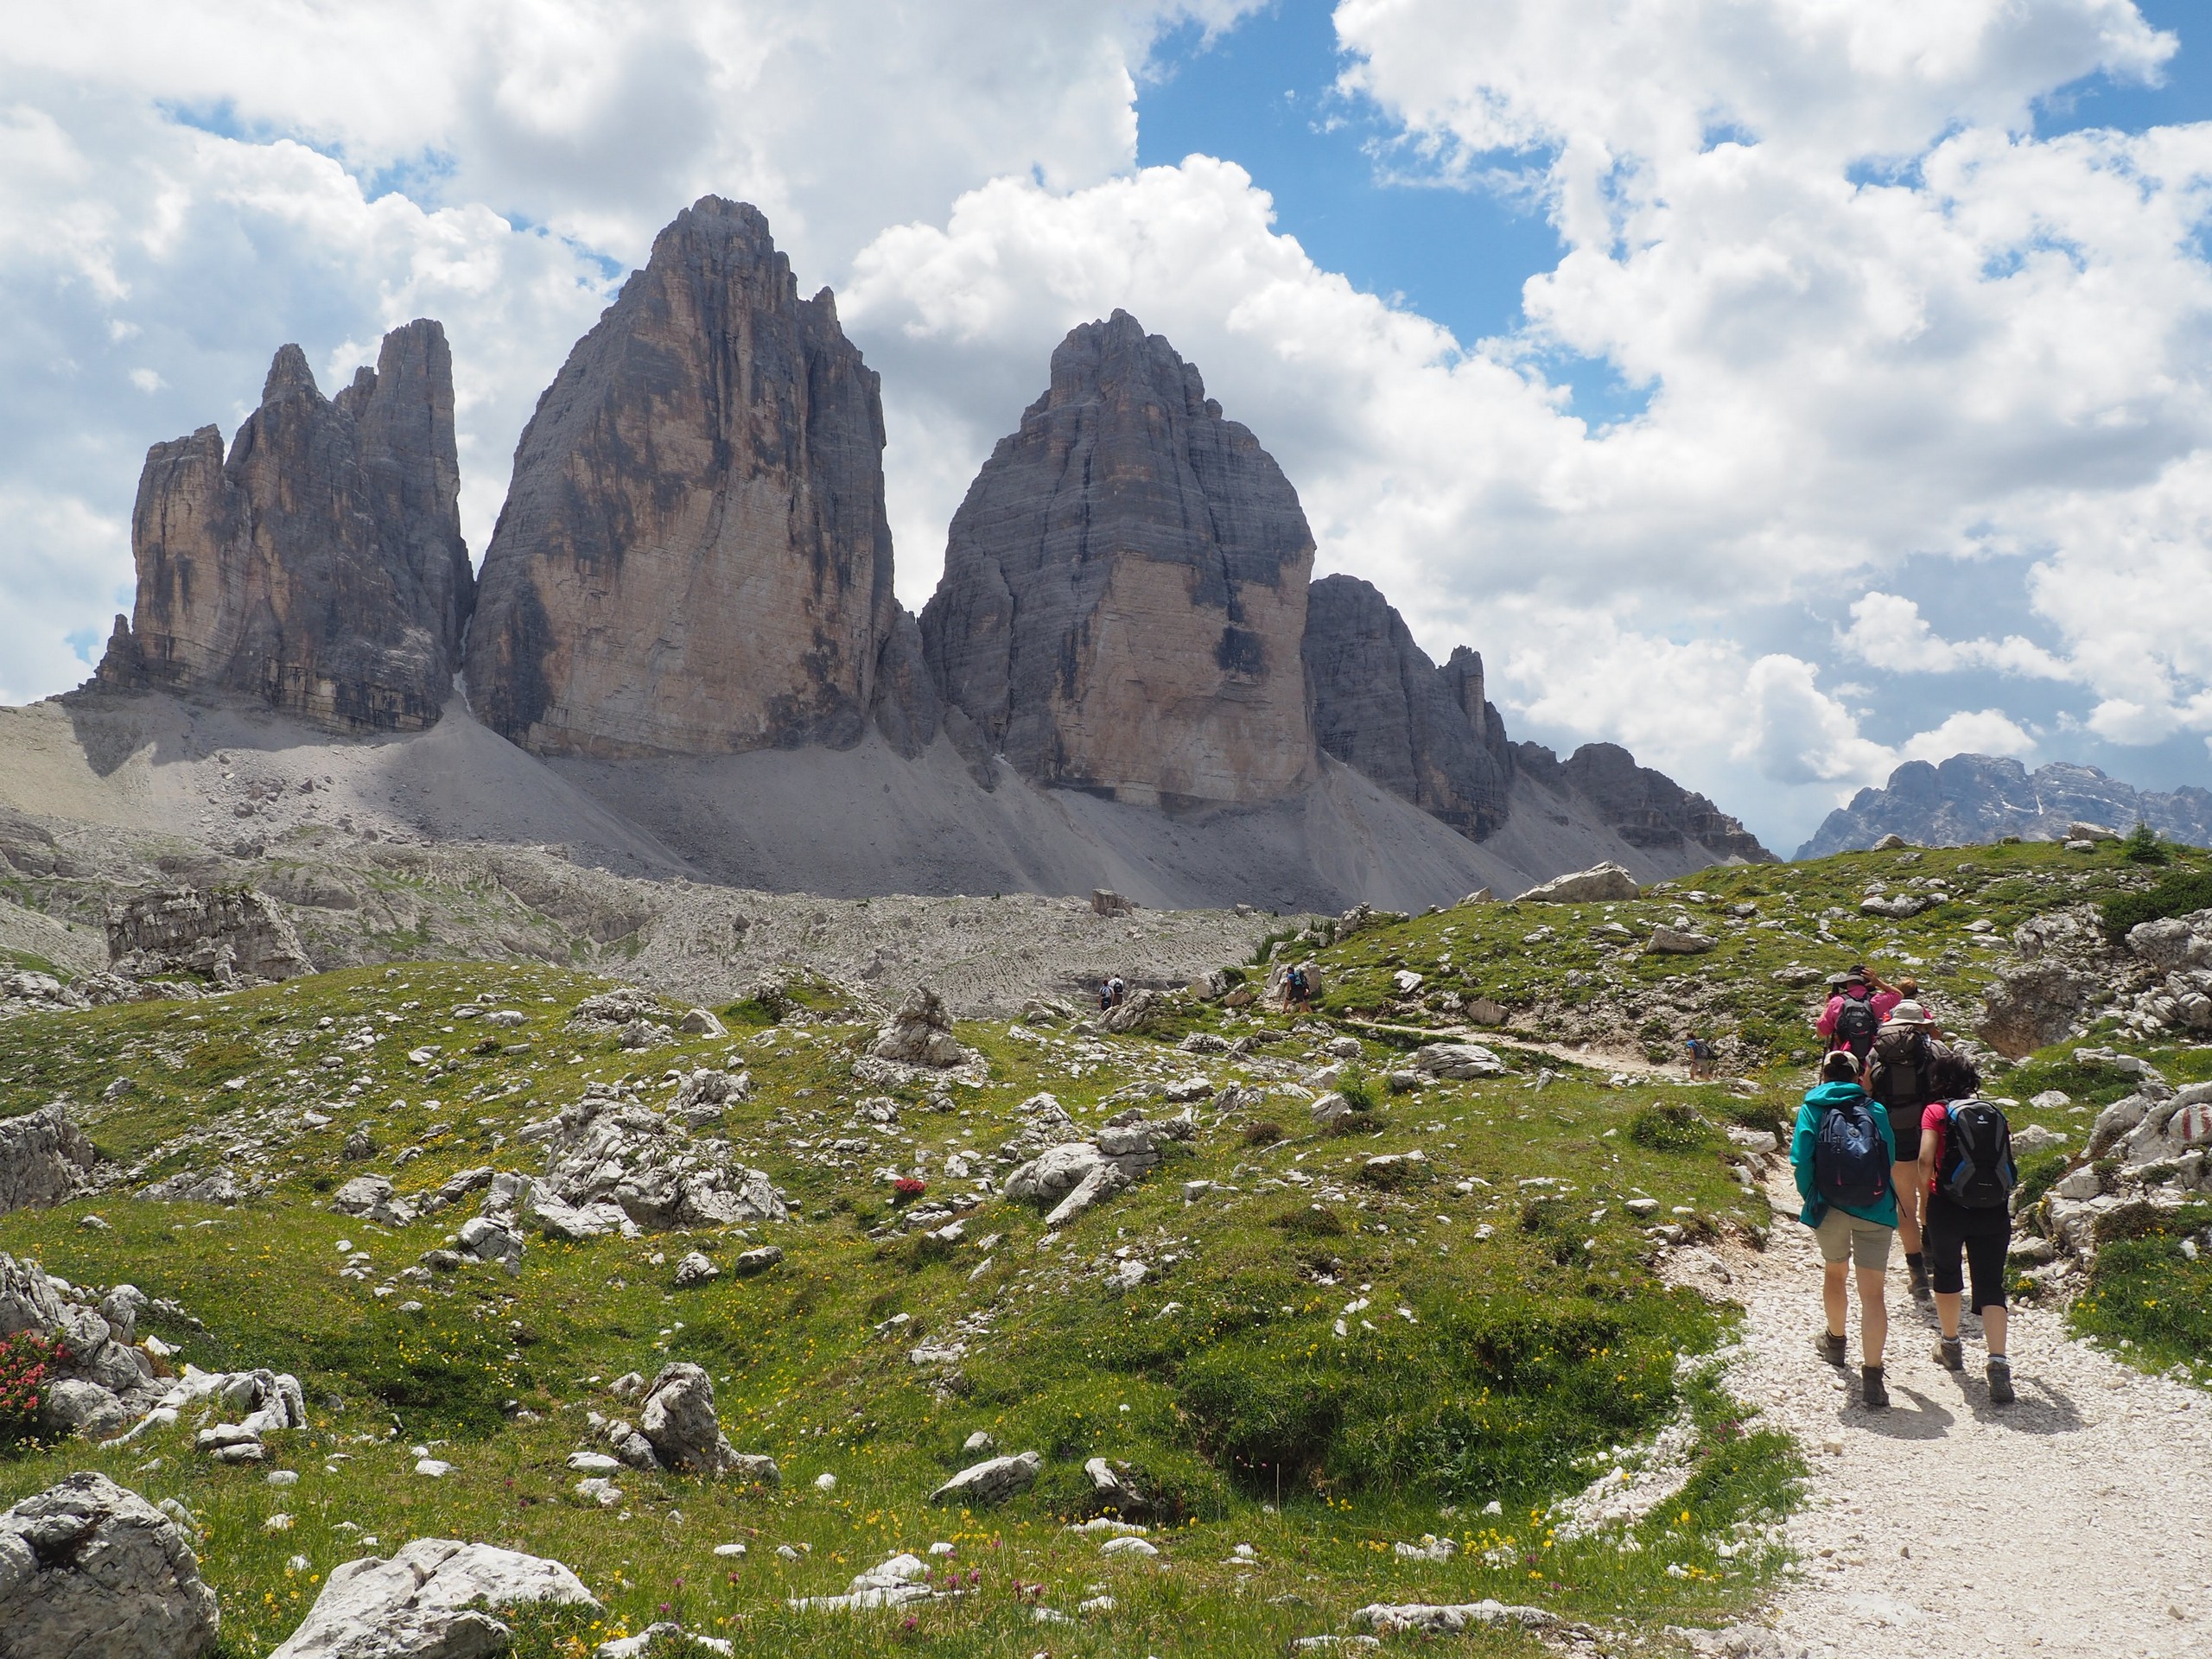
x,y
1900,1075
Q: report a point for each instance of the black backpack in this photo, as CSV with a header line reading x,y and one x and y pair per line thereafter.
x,y
1899,1076
1856,1023
1978,1172
1851,1167
1298,981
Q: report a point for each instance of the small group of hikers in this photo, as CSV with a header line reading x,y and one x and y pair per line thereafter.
x,y
1112,993
1892,1144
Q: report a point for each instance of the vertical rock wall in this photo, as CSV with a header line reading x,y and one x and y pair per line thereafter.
x,y
694,556
320,566
1380,705
1125,589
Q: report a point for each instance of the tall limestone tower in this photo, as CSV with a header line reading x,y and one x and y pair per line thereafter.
x,y
694,556
1124,591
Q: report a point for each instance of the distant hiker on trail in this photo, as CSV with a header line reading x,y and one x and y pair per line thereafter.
x,y
1111,993
1844,1158
1857,1005
1703,1061
1903,1074
1966,1178
1298,988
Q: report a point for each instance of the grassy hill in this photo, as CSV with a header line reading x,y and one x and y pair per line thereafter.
x,y
1322,1357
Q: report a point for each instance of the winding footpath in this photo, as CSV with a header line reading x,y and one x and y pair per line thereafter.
x,y
2077,1521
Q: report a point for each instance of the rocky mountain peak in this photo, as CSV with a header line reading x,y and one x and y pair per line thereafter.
x,y
1380,705
320,566
1124,592
1979,798
694,556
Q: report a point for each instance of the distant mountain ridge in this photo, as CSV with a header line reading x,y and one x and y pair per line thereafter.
x,y
1979,798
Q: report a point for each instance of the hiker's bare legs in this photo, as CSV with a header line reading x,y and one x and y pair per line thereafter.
x,y
1873,1314
1947,1312
1911,1196
1993,1330
1833,1296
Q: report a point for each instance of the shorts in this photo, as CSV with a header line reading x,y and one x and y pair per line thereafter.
x,y
1904,1125
1845,1238
1985,1250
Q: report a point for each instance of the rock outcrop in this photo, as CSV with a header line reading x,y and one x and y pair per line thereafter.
x,y
88,1568
1645,807
44,1158
694,556
230,935
1125,589
1981,797
1381,704
319,567
427,1599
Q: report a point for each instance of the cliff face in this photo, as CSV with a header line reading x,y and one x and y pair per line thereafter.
x,y
693,558
1125,589
321,565
1423,732
1644,807
1979,798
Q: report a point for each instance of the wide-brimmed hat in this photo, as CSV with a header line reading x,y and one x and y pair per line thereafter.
x,y
1907,1014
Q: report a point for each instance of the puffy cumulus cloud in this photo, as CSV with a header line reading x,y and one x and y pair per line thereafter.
x,y
182,188
1393,438
600,120
1880,322
1976,731
1888,632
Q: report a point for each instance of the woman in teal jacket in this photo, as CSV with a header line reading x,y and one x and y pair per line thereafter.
x,y
1849,1236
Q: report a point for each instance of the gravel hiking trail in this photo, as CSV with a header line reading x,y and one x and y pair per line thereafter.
x,y
2077,1521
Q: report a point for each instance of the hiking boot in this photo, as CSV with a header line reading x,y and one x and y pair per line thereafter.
x,y
1949,1355
1878,1397
2000,1379
1916,1267
1830,1348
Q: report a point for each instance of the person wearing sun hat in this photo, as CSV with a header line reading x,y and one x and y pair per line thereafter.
x,y
1900,1075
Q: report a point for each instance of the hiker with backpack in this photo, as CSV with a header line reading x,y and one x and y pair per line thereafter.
x,y
1844,1160
1858,1003
1298,988
1968,1175
1906,1069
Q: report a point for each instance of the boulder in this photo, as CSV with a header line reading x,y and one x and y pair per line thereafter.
x,y
1674,942
1600,884
91,1571
1889,843
416,1605
1114,1491
319,568
369,1199
611,1164
2033,1005
44,1158
758,1260
695,1269
920,1033
230,935
1138,1010
677,1419
1449,1620
2174,943
986,1484
1461,1060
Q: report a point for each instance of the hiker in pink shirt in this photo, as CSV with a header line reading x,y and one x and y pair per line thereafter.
x,y
1858,1005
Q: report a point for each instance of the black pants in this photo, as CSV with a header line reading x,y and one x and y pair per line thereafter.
x,y
1983,1237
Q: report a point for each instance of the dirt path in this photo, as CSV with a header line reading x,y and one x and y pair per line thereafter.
x,y
2077,1521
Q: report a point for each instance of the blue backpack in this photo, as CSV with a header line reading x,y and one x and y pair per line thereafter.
x,y
1851,1167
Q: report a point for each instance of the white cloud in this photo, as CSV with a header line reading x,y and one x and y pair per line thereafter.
x,y
1980,731
1888,632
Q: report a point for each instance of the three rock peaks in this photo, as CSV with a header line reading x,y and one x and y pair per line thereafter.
x,y
695,559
